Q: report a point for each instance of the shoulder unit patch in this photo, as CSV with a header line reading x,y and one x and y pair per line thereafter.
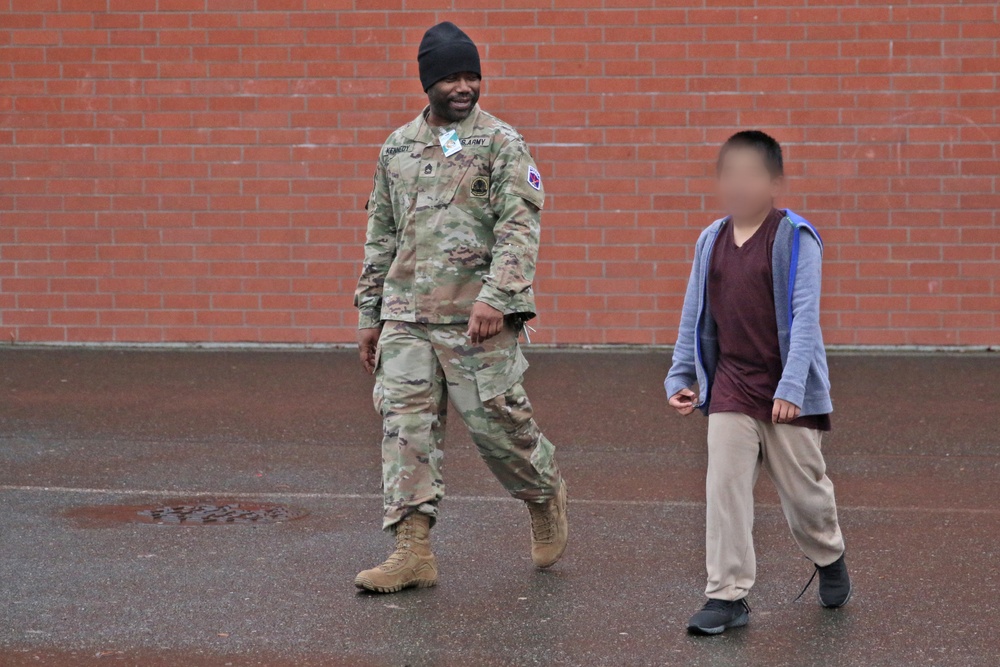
x,y
534,178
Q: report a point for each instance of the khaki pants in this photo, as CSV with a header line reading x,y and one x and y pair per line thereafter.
x,y
420,368
738,447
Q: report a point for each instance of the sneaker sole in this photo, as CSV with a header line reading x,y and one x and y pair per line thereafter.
x,y
738,622
368,585
850,593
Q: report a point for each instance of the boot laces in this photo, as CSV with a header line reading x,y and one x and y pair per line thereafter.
x,y
399,556
396,558
542,521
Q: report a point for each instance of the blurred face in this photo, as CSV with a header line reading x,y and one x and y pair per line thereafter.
x,y
746,187
453,98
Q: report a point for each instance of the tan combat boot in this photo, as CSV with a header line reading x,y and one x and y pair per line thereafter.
x,y
411,565
549,529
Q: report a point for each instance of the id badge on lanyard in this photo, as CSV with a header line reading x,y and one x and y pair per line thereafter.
x,y
450,143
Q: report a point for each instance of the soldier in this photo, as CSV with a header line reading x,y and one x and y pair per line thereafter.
x,y
453,231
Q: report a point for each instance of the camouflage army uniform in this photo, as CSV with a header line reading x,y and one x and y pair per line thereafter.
x,y
443,233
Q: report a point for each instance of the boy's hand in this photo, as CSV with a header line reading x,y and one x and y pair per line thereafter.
x,y
784,412
367,344
683,402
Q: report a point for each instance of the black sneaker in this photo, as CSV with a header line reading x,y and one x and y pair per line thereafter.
x,y
718,615
834,584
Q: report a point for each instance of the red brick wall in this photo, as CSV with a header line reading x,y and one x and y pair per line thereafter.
x,y
195,170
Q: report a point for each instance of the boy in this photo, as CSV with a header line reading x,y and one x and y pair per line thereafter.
x,y
750,340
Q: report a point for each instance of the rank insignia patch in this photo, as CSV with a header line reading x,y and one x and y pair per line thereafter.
x,y
480,187
534,178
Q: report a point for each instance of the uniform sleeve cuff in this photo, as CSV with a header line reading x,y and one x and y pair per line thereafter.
x,y
369,320
491,296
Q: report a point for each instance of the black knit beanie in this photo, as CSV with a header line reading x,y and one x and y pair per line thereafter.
x,y
446,50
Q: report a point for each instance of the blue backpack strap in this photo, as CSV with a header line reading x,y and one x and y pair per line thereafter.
x,y
793,270
799,223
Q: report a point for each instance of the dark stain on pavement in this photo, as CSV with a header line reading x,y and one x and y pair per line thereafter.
x,y
185,513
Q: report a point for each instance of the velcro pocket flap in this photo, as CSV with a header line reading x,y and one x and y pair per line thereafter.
x,y
497,379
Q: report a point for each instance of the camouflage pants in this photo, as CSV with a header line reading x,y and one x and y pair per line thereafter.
x,y
420,367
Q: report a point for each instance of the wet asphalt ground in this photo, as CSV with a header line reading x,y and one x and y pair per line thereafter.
x,y
914,455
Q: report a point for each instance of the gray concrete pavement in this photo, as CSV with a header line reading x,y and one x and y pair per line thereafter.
x,y
915,456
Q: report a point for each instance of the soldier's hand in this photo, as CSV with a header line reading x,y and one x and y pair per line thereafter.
x,y
367,344
485,322
683,402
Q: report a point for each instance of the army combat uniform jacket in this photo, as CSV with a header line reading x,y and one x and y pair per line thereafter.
x,y
444,232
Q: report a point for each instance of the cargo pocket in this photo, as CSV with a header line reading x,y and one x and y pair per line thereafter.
x,y
496,379
506,402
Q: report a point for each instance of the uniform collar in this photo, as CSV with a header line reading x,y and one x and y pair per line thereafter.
x,y
419,129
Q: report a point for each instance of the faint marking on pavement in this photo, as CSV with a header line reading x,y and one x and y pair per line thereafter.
x,y
279,495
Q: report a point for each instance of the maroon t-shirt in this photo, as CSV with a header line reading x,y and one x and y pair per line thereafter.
x,y
741,301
